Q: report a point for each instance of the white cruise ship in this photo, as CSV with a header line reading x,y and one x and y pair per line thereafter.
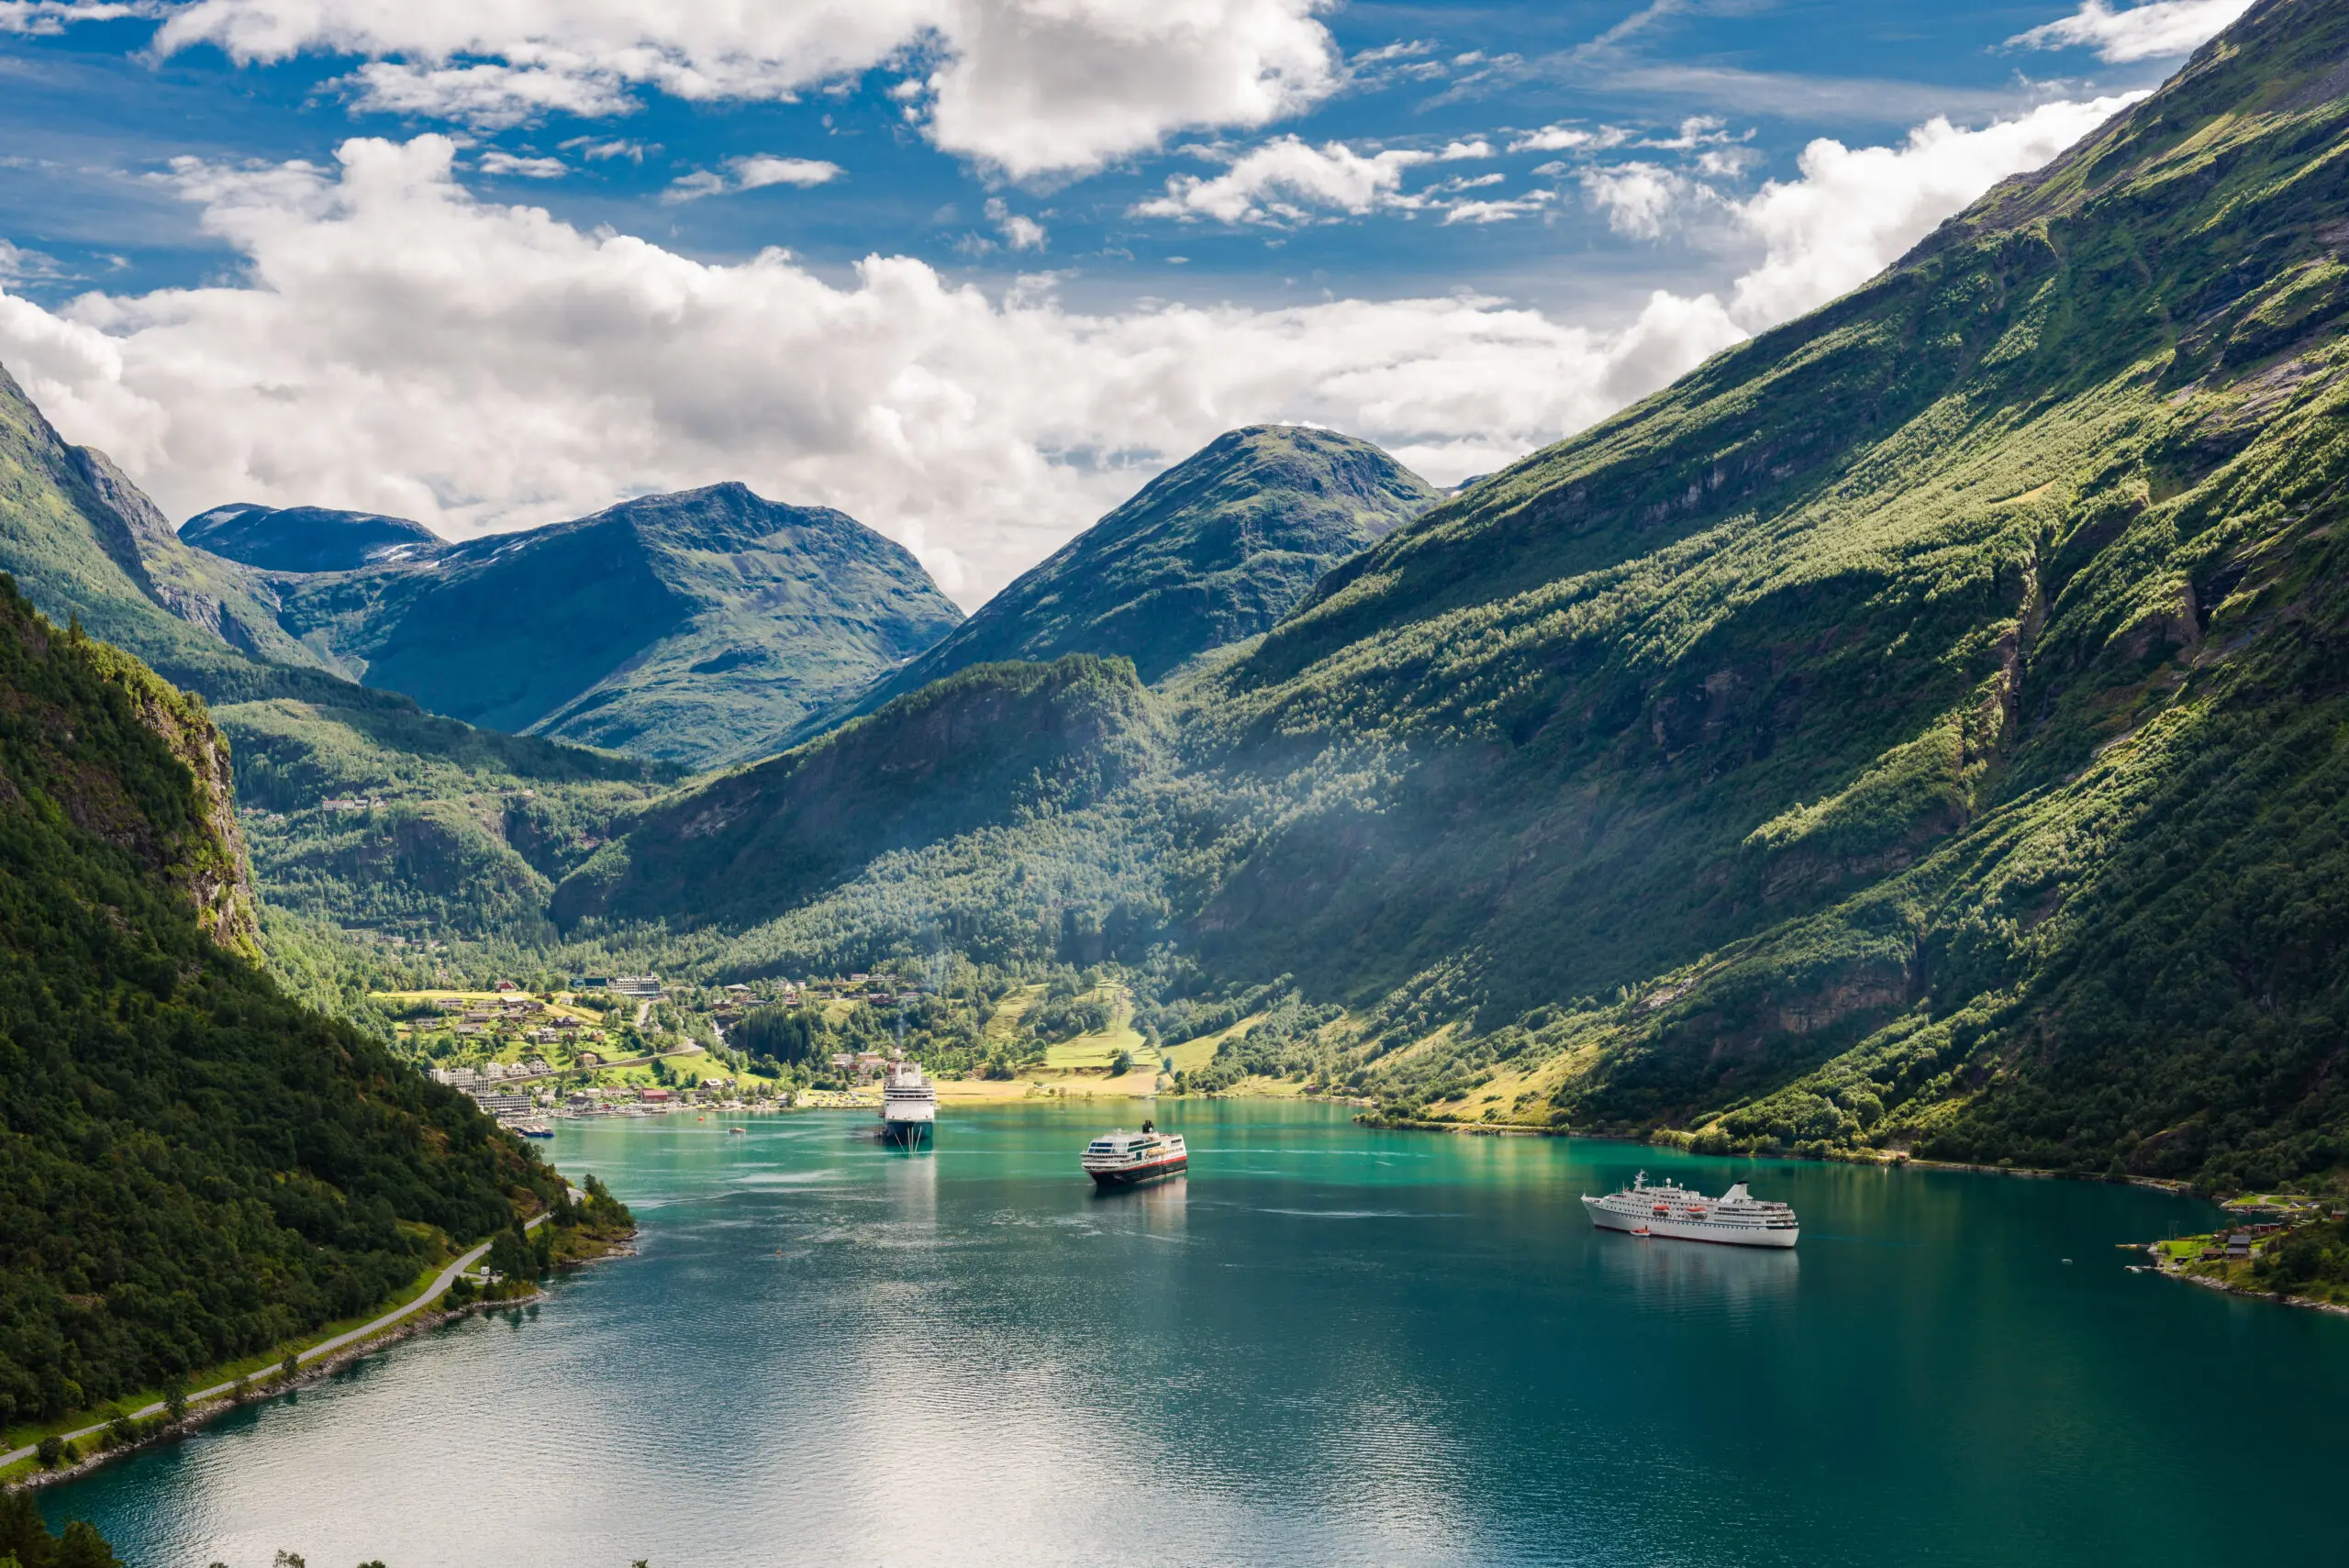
x,y
1123,1159
909,1106
1736,1217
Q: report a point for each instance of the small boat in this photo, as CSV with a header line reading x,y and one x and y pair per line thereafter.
x,y
737,1132
1123,1159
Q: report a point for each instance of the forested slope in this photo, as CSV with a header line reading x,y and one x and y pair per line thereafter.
x,y
1000,746
465,831
194,1167
1918,726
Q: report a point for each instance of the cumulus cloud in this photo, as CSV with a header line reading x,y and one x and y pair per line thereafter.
x,y
1639,199
1020,232
1029,86
1285,180
480,366
754,173
1856,211
2152,31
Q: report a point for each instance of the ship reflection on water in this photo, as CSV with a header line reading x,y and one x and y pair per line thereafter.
x,y
1161,1208
1693,1277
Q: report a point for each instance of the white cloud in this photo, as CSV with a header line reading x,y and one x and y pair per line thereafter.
x,y
18,265
2151,32
1285,180
1856,212
751,173
1020,233
597,151
1570,138
487,96
764,169
1697,130
42,18
1639,199
1498,211
693,187
1031,86
480,366
1456,151
498,162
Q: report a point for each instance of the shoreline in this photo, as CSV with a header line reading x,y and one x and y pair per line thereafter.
x,y
2163,1267
203,1415
314,1364
1884,1161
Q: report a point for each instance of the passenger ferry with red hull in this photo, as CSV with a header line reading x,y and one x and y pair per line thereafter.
x,y
1736,1218
1124,1159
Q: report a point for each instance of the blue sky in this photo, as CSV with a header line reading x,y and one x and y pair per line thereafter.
x,y
1068,190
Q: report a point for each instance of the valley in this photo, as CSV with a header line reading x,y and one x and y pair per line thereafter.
x,y
1912,733
1741,600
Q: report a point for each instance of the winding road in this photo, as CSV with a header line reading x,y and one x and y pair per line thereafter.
x,y
323,1348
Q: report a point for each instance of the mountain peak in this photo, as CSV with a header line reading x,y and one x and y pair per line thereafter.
x,y
696,626
305,539
1212,552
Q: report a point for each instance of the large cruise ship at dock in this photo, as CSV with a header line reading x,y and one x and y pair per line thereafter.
x,y
1123,1159
1736,1217
909,1106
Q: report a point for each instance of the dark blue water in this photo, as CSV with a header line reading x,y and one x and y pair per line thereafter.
x,y
1327,1346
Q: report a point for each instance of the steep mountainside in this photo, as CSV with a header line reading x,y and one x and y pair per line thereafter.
x,y
82,541
1210,553
699,628
196,1168
473,828
994,745
305,539
1918,727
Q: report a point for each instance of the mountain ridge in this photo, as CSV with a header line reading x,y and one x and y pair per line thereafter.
x,y
1210,553
303,539
701,627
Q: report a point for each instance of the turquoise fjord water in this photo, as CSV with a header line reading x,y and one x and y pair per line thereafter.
x,y
1329,1345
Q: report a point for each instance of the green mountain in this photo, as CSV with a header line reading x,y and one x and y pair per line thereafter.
x,y
305,539
1210,553
196,1167
83,542
992,746
473,828
700,627
1918,728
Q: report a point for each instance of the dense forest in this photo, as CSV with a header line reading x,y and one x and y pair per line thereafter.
x,y
197,1165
